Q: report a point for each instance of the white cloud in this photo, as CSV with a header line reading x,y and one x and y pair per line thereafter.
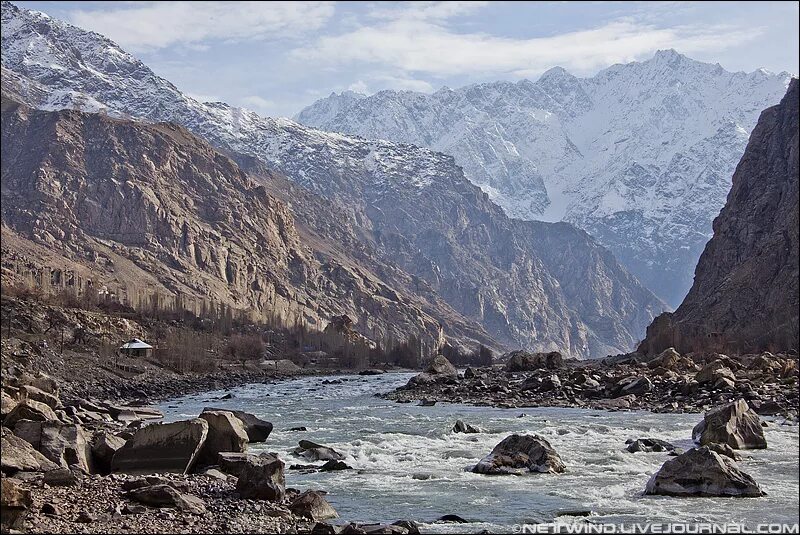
x,y
359,87
413,45
156,25
257,104
402,83
426,10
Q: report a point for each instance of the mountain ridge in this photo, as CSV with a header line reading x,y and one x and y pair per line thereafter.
x,y
412,204
561,148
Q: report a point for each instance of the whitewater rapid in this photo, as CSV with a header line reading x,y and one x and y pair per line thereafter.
x,y
408,464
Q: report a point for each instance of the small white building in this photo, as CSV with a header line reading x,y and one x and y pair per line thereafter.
x,y
136,348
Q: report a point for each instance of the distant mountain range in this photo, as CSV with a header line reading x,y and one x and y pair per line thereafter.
x,y
392,233
639,155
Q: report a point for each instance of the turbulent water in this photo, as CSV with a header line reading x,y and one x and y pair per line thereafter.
x,y
410,465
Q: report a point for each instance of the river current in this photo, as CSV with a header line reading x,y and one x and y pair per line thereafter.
x,y
408,464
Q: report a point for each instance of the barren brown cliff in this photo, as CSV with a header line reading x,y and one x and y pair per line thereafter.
x,y
745,292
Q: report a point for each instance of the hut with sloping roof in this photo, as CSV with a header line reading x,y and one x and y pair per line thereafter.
x,y
136,348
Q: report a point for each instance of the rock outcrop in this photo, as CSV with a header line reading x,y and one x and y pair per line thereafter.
x,y
702,472
745,292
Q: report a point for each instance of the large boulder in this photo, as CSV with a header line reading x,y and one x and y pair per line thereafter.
x,y
172,447
226,433
669,359
311,504
7,404
15,502
713,372
18,455
67,445
440,366
264,480
258,430
166,496
234,463
734,424
702,472
522,361
520,453
316,452
37,394
104,447
29,409
42,381
636,385
439,370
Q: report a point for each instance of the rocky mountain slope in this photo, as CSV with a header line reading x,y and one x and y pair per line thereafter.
x,y
640,155
153,206
745,292
411,206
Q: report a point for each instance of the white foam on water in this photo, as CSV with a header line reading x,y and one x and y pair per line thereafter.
x,y
408,464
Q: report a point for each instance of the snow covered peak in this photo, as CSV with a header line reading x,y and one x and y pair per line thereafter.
x,y
555,74
640,155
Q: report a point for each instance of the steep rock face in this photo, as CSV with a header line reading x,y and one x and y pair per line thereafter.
x,y
745,292
153,205
412,206
639,155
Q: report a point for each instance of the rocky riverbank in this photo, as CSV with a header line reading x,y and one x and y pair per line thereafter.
x,y
668,382
91,466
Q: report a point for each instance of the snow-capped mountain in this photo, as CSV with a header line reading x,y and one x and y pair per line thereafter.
x,y
640,155
410,204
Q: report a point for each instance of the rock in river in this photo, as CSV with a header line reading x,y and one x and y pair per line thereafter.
x,y
649,445
702,472
461,427
316,452
734,424
519,453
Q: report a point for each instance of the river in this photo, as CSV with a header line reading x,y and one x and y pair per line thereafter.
x,y
410,465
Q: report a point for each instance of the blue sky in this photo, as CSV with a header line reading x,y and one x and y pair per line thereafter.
x,y
276,58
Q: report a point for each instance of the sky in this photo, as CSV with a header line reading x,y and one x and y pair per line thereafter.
x,y
276,58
